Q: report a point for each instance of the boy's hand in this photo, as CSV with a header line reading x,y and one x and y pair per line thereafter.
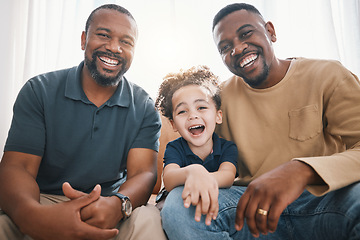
x,y
201,190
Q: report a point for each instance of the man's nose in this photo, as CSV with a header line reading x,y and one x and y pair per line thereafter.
x,y
114,46
239,47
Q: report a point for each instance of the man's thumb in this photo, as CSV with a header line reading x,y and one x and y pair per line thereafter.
x,y
89,198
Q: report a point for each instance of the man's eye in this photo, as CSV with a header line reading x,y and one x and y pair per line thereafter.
x,y
225,48
127,43
103,35
246,34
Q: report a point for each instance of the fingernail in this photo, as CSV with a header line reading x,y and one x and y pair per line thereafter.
x,y
255,235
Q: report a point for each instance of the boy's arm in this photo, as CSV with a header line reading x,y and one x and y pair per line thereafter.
x,y
198,184
174,176
200,188
225,175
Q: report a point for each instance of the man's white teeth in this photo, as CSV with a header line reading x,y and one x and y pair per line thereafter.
x,y
109,62
248,60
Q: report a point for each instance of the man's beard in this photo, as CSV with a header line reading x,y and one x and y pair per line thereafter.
x,y
102,79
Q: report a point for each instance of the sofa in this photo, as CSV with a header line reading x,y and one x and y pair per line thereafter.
x,y
167,135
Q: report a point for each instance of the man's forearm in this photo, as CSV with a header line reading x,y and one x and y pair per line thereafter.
x,y
139,188
18,192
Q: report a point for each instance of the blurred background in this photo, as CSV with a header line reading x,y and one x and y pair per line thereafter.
x,y
38,36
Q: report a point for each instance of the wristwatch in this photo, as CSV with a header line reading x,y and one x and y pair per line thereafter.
x,y
126,206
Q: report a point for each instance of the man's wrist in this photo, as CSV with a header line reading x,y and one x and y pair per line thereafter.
x,y
126,206
312,176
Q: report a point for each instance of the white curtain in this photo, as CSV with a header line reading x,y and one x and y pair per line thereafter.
x,y
44,35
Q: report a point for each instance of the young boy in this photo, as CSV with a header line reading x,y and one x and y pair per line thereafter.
x,y
199,159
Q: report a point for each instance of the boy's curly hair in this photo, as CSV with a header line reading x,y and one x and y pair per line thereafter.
x,y
200,75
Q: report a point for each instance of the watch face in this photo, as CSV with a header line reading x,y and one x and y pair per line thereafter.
x,y
128,208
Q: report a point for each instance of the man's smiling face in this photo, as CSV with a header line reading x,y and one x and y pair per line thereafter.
x,y
244,42
109,46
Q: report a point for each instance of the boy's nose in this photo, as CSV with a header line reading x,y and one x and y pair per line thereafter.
x,y
193,116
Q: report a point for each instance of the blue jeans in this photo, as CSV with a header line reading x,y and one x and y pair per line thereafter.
x,y
335,215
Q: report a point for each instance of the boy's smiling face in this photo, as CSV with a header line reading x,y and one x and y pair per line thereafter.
x,y
195,115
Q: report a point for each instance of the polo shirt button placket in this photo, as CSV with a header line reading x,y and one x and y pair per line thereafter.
x,y
95,127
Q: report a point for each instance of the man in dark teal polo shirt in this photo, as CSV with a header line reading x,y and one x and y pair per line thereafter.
x,y
86,128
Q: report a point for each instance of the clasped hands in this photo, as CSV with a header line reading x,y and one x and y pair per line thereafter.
x,y
100,213
85,216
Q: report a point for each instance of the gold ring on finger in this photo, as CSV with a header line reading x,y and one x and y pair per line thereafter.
x,y
262,212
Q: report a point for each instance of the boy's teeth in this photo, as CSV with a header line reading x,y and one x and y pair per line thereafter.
x,y
196,130
195,127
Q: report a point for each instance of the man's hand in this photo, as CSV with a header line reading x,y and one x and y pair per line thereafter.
x,y
104,213
272,192
201,190
62,221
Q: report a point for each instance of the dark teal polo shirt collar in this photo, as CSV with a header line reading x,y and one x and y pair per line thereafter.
x,y
74,90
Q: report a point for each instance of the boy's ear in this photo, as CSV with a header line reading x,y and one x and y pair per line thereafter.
x,y
173,125
219,117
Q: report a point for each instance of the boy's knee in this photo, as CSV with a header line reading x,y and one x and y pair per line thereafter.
x,y
173,203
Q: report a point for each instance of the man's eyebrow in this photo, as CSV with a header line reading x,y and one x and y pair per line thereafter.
x,y
103,29
108,30
237,31
242,27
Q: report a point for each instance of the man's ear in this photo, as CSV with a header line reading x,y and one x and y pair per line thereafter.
x,y
219,117
271,31
173,125
83,40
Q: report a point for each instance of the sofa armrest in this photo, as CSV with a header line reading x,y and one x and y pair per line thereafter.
x,y
167,134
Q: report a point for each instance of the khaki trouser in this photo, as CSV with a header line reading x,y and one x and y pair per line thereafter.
x,y
144,223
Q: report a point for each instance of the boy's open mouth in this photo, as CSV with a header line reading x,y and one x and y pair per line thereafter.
x,y
196,130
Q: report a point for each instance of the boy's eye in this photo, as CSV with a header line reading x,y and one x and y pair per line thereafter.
x,y
180,112
202,108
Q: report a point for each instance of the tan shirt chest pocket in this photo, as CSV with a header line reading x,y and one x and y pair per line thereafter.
x,y
305,123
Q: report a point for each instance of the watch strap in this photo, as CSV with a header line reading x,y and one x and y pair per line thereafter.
x,y
121,196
